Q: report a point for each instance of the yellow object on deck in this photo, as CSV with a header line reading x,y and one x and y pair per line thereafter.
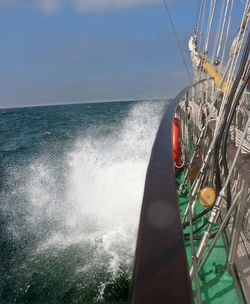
x,y
207,196
192,173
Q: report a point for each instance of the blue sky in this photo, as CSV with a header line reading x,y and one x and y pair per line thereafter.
x,y
70,51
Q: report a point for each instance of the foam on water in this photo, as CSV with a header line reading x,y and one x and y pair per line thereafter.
x,y
88,201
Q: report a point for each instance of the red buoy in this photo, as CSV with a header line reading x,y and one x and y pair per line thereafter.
x,y
178,163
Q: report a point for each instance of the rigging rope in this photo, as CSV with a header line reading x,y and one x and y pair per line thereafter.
x,y
178,42
202,21
210,26
207,26
227,32
196,16
199,18
235,56
218,32
222,32
227,108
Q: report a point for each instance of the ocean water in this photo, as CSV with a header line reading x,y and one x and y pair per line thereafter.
x,y
72,180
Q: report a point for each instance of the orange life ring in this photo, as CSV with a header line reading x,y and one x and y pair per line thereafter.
x,y
178,163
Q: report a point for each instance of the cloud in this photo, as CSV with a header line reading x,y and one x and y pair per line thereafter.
x,y
11,3
107,5
48,6
53,6
45,6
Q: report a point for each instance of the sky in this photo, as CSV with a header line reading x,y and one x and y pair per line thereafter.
x,y
71,51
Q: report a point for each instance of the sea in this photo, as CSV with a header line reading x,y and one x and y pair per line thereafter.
x,y
72,180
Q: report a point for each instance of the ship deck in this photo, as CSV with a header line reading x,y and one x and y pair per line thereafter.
x,y
217,286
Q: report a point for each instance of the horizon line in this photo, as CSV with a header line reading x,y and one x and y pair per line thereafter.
x,y
77,103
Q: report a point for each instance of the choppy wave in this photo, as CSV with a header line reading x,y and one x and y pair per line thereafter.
x,y
70,219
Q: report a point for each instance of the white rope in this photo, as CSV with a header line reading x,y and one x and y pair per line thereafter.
x,y
211,111
195,113
227,32
236,183
202,23
222,31
198,24
209,17
210,27
245,148
235,55
218,31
